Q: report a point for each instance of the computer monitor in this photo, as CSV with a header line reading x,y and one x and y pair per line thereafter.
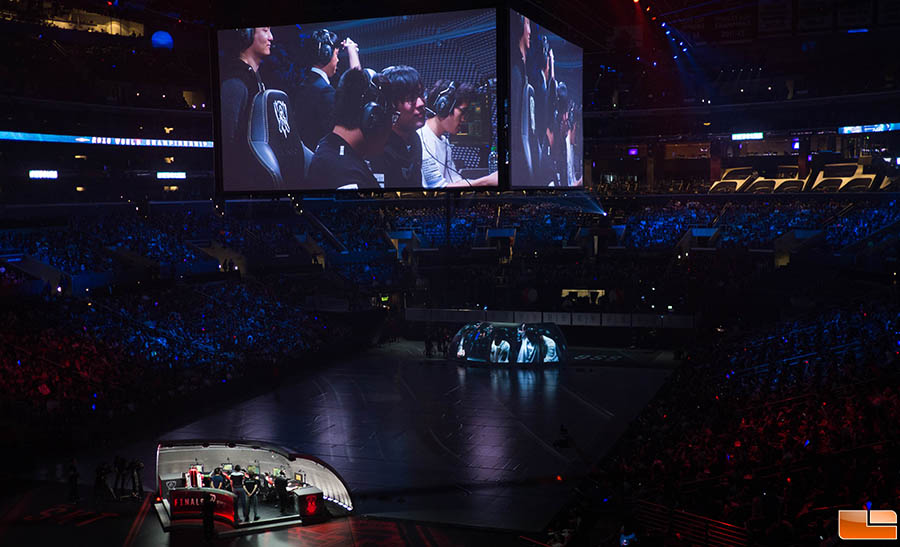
x,y
227,467
276,471
298,477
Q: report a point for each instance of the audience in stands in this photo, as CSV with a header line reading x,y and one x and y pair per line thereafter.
x,y
662,227
777,425
757,225
863,220
68,361
71,250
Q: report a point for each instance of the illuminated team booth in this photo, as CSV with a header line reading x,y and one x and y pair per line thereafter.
x,y
503,344
184,469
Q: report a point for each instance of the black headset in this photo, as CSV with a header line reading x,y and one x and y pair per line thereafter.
x,y
325,42
560,106
375,111
445,101
384,77
572,111
244,37
545,49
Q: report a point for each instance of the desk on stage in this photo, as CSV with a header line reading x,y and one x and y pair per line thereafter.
x,y
187,503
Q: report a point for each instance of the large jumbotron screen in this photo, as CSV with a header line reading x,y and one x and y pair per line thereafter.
x,y
546,102
423,116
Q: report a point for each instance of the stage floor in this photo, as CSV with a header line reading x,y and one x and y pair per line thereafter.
x,y
423,445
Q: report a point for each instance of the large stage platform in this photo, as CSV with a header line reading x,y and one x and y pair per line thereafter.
x,y
422,443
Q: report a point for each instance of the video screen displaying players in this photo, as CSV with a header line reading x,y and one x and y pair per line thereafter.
x,y
546,103
406,102
506,343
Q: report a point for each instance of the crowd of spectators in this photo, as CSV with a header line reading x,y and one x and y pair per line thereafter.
x,y
69,361
225,318
761,430
131,233
860,222
386,273
757,225
50,368
662,227
268,237
540,224
754,224
362,227
357,227
109,243
10,279
467,225
548,224
70,249
545,255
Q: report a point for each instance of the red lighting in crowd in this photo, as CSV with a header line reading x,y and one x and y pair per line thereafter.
x,y
559,478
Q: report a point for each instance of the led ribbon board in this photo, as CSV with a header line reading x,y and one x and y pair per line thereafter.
x,y
111,141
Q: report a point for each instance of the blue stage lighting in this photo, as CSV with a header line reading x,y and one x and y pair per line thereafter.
x,y
162,39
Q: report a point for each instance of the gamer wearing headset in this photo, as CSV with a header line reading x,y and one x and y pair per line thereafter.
x,y
315,96
551,169
447,105
521,168
400,166
574,172
244,51
542,76
363,123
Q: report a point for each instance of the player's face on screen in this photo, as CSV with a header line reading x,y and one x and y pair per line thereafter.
x,y
412,114
526,33
262,41
451,123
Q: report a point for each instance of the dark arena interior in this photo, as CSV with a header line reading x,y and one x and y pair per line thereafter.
x,y
513,273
